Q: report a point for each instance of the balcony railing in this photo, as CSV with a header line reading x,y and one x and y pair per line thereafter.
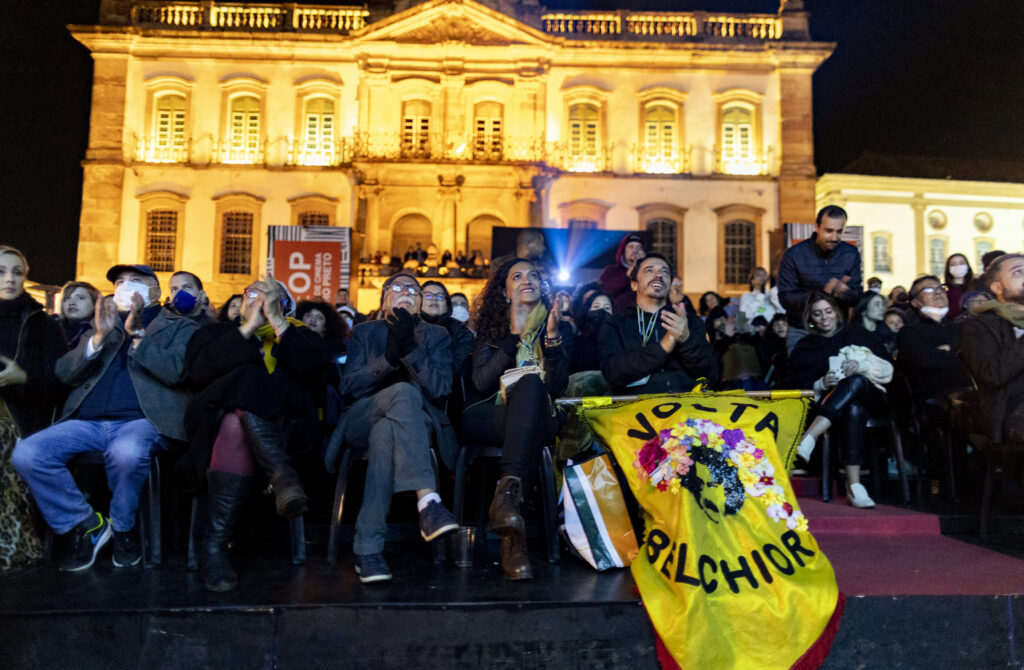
x,y
328,154
227,154
157,150
239,16
754,164
673,26
645,162
562,156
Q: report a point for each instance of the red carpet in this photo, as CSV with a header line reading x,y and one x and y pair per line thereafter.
x,y
893,551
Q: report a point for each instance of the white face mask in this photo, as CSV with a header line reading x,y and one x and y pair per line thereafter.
x,y
958,271
460,313
876,289
938,313
123,294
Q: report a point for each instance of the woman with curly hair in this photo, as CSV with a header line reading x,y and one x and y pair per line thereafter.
x,y
77,303
231,310
516,328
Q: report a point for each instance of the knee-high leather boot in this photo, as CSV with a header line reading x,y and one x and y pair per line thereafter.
x,y
268,444
227,492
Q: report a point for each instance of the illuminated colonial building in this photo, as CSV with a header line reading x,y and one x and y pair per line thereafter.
x,y
437,121
912,224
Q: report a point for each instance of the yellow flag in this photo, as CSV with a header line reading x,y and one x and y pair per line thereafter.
x,y
729,572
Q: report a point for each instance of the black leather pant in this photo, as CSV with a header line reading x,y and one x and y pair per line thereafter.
x,y
848,407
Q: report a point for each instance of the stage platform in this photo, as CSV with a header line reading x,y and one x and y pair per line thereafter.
x,y
915,599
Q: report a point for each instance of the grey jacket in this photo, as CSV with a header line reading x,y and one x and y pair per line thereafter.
x,y
156,367
429,367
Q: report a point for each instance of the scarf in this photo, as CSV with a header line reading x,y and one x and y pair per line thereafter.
x,y
269,338
1010,311
530,346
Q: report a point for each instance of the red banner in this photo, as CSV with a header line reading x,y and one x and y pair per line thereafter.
x,y
309,269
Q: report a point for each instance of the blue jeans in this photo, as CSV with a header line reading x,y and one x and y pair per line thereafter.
x,y
41,459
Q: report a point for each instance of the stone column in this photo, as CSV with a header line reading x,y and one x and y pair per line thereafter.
x,y
797,174
103,172
921,260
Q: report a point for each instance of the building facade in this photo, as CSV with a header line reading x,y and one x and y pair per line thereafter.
x,y
911,225
436,122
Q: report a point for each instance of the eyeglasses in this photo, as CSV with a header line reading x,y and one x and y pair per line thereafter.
x,y
399,289
433,297
929,289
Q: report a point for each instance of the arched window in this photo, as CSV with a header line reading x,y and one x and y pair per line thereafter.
x,y
244,143
318,139
161,239
479,234
738,155
487,131
416,129
409,230
882,259
236,242
169,129
740,251
662,236
661,150
314,218
584,132
937,256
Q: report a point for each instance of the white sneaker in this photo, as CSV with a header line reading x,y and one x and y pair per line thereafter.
x,y
806,447
858,496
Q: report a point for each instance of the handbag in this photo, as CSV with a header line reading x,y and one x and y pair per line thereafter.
x,y
597,522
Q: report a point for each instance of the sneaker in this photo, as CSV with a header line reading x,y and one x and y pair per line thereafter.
x,y
126,549
372,568
87,538
435,521
858,497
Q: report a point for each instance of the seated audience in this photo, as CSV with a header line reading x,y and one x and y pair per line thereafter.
x,y
874,284
125,376
869,314
30,344
595,310
460,307
399,366
614,278
436,308
708,301
77,307
959,278
759,301
775,352
850,365
992,347
318,316
516,328
739,365
254,403
656,347
893,318
929,344
231,310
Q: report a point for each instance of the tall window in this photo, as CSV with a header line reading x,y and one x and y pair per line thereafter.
x,y
314,218
739,251
738,155
981,247
937,256
318,132
487,129
244,133
880,249
236,242
161,239
169,130
416,129
660,140
584,136
663,240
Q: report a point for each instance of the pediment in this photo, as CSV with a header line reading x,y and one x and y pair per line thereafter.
x,y
440,21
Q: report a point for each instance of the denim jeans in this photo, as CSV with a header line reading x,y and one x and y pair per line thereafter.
x,y
41,459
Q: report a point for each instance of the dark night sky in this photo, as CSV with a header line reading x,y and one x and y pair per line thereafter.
x,y
932,78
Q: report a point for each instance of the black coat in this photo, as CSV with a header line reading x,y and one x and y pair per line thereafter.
x,y
931,371
626,359
491,359
227,372
995,358
806,266
35,341
808,362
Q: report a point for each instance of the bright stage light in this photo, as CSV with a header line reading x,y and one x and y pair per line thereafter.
x,y
563,275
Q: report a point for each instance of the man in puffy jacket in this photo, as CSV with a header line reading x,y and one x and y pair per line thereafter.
x,y
823,263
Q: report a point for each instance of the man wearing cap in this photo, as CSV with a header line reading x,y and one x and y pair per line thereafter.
x,y
614,279
397,364
123,377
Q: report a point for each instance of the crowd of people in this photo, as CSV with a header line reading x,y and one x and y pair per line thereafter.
x,y
263,389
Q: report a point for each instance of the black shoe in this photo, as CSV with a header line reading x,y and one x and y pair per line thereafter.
x,y
87,538
126,549
268,442
504,513
515,562
372,568
435,521
227,492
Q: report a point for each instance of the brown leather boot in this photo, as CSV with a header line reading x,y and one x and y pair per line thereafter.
x,y
515,562
504,513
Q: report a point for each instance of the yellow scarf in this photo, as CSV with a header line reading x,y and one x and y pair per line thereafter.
x,y
1010,311
530,345
269,338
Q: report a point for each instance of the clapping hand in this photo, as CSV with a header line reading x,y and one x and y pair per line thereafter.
x,y
554,316
134,320
677,329
402,326
252,310
104,320
11,373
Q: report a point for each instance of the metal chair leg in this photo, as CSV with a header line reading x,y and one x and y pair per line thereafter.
x,y
549,505
826,468
297,527
339,506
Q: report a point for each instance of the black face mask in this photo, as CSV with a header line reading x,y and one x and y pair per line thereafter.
x,y
596,317
436,320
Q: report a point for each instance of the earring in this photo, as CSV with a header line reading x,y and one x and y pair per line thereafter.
x,y
508,300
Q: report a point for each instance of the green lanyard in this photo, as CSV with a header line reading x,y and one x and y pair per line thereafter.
x,y
646,328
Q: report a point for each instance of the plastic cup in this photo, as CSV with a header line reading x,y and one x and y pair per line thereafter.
x,y
464,540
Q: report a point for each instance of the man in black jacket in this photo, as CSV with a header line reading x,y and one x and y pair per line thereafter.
x,y
822,263
655,347
928,345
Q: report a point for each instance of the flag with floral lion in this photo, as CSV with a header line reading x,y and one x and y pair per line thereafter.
x,y
729,571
